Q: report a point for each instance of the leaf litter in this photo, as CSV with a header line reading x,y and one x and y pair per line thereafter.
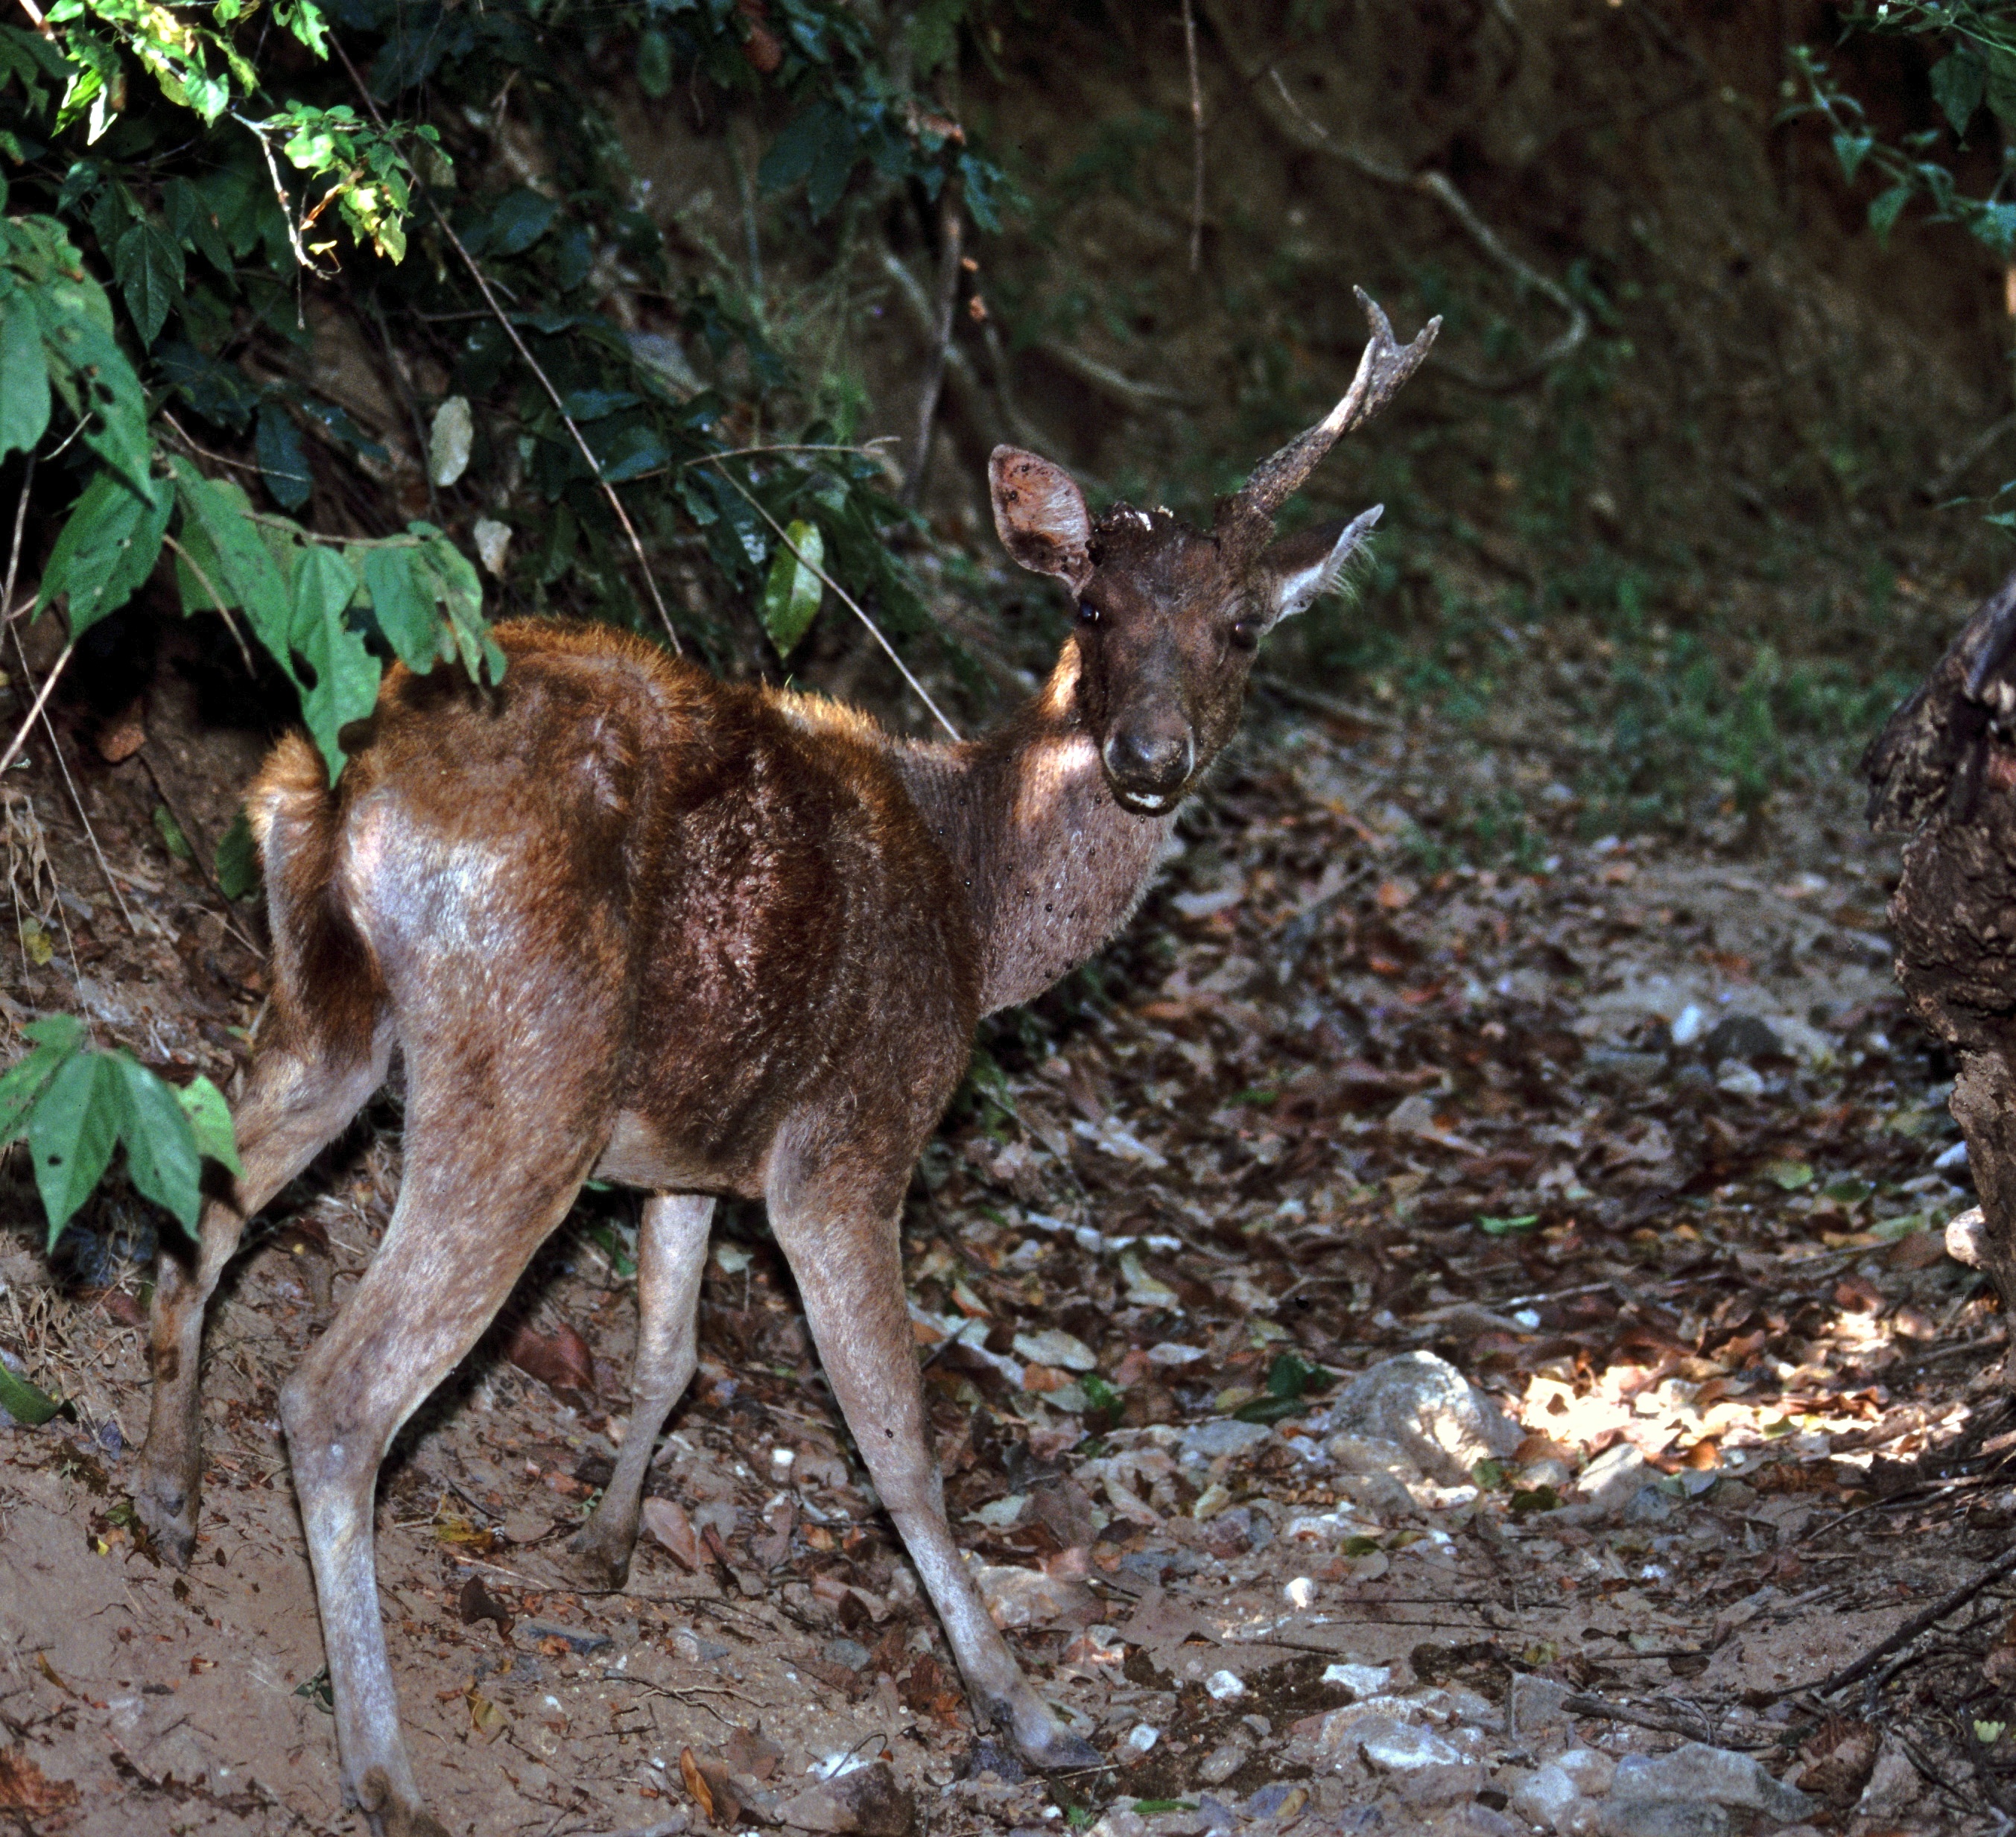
x,y
1414,1342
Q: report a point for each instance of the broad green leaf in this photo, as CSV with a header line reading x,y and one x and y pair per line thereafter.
x,y
149,263
1959,81
23,1402
192,220
170,832
2000,88
24,376
655,64
518,220
53,1040
346,674
237,864
791,595
72,1132
1851,150
91,371
459,589
283,458
106,548
1885,208
402,587
161,1155
210,1120
247,575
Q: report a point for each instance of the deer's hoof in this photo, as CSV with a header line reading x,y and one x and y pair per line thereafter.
x,y
168,1510
593,1565
1046,1744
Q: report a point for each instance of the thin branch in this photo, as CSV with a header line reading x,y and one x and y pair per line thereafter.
x,y
1919,1623
1287,116
301,257
35,713
1196,140
216,599
532,363
1110,381
846,599
951,238
34,12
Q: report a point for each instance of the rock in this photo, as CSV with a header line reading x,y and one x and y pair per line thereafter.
x,y
867,1801
1226,1760
1547,1797
850,1652
1648,1506
1223,1687
1966,1237
1662,1818
1619,1066
1445,1783
1739,1080
1426,1407
1221,1436
1536,1704
1361,1681
1613,1479
1392,1746
1054,1347
1894,1788
1741,1036
1687,1025
1590,1768
1695,1771
1027,1597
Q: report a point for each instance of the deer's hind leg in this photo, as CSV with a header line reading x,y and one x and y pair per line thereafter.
x,y
672,1254
495,1152
302,1093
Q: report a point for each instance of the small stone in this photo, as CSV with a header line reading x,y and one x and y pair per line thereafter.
x,y
1389,1746
1143,1736
1894,1788
1612,1479
1427,1407
1547,1796
1695,1771
1442,1783
1361,1681
1300,1593
1648,1506
1741,1036
850,1652
1688,1024
1054,1347
1224,1761
1222,1436
1536,1703
867,1802
1661,1817
1738,1080
1590,1768
1966,1237
1224,1687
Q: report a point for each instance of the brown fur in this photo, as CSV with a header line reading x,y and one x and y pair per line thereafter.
x,y
706,939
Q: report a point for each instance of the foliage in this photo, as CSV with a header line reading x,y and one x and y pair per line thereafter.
x,y
75,1104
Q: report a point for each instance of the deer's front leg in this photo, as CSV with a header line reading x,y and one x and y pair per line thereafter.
x,y
849,1270
671,1256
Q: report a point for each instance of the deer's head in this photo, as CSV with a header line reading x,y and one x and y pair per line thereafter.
x,y
1168,619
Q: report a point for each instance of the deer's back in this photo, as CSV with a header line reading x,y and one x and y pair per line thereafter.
x,y
730,903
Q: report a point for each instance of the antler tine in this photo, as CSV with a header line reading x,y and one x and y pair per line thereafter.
x,y
1383,367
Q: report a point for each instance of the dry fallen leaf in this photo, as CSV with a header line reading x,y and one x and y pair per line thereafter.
x,y
666,1520
562,1359
25,1788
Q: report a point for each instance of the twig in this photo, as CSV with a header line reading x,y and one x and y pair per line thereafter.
x,y
34,12
1919,1623
1281,108
1196,140
258,133
1691,1723
531,363
846,599
34,712
951,238
1951,474
216,600
1111,382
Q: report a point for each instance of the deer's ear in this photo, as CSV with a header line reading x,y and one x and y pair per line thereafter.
x,y
1041,516
1297,569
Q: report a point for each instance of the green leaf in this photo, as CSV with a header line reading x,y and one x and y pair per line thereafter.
x,y
209,1121
105,549
654,65
519,220
237,864
171,832
1959,81
1886,207
149,263
194,221
791,595
1851,150
23,1402
402,587
1539,1499
71,1134
1789,1175
52,1040
161,1155
1502,1227
1489,1476
24,376
91,371
246,573
2001,89
346,674
283,459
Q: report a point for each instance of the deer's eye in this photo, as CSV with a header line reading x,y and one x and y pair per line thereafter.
x,y
1088,613
1244,635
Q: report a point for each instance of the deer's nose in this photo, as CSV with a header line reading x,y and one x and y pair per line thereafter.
x,y
1149,761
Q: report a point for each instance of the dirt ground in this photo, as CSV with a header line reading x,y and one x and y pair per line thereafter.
x,y
1636,1136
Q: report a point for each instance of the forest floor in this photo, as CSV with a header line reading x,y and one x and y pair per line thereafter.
x,y
1636,1136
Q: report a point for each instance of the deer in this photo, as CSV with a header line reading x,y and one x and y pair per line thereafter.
x,y
623,919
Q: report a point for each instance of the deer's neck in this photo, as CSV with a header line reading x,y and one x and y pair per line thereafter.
x,y
1053,866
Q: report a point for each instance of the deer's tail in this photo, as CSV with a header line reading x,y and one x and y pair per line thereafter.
x,y
329,996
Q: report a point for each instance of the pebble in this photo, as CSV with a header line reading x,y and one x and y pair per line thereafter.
x,y
1430,1411
1301,1593
1224,1686
1695,1771
1739,1080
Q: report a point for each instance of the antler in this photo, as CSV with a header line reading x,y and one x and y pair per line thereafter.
x,y
1248,518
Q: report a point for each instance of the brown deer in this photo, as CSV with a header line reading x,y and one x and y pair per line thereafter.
x,y
625,920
